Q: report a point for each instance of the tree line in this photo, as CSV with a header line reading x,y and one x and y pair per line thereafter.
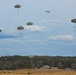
x,y
27,62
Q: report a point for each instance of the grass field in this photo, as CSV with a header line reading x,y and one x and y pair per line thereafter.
x,y
53,71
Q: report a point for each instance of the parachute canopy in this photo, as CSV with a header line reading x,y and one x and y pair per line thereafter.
x,y
20,28
17,6
73,20
29,23
47,11
0,30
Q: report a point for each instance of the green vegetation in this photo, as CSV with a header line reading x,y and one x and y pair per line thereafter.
x,y
27,62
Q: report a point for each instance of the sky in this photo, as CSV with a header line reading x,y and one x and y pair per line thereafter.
x,y
52,34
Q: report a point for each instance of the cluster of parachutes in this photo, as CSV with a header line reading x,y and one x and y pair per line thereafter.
x,y
22,27
17,6
31,23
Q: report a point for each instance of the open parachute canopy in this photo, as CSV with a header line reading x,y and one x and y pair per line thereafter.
x,y
20,28
73,20
0,30
30,23
47,11
17,6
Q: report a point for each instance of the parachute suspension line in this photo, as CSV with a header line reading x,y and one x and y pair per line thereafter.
x,y
21,34
17,12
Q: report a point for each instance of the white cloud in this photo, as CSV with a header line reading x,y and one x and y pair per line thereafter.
x,y
34,28
9,40
62,37
52,21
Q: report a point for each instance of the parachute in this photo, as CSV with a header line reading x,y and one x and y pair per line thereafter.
x,y
73,20
20,28
0,30
47,11
29,23
17,7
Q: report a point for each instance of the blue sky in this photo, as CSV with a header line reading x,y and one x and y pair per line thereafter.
x,y
51,33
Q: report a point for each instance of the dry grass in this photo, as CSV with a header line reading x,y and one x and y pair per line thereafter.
x,y
53,71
